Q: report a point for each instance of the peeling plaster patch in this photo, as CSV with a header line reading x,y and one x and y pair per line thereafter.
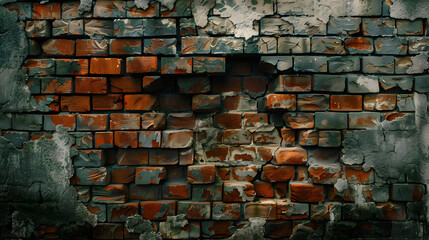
x,y
323,9
136,224
200,10
144,4
85,6
409,9
341,185
14,93
36,183
420,63
252,231
369,83
243,13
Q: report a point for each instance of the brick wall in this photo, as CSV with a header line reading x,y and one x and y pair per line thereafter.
x,y
170,118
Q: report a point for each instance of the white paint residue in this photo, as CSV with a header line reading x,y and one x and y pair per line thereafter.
x,y
369,83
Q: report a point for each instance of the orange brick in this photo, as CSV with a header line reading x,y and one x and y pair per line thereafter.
x,y
126,139
47,11
142,64
228,120
75,103
143,102
107,102
125,84
106,66
125,46
104,139
346,103
94,85
89,47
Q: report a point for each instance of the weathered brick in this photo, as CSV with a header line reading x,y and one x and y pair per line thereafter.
x,y
312,102
176,190
299,120
119,121
159,27
120,212
59,47
71,66
216,229
128,27
226,211
344,25
46,11
99,210
92,176
358,175
324,174
144,192
160,46
176,65
163,157
362,84
23,9
209,65
245,173
408,27
107,102
38,29
328,83
108,231
136,12
404,82
272,26
158,210
205,103
196,45
132,157
329,139
238,192
287,210
113,193
91,122
310,64
290,45
177,138
285,83
344,64
290,156
379,102
226,45
266,209
142,64
123,175
16,138
394,46
330,120
280,102
406,192
269,136
194,210
260,45
198,84
359,45
383,65
125,46
363,120
153,121
101,27
150,139
308,137
327,45
378,26
149,175
62,27
51,121
322,212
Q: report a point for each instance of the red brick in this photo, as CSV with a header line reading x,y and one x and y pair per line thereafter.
x,y
224,173
153,121
186,157
123,121
142,102
75,104
379,102
40,67
302,173
228,84
125,85
391,211
271,173
236,137
216,154
104,139
125,46
123,175
175,102
142,64
346,103
56,85
290,211
89,47
149,175
360,44
106,66
244,173
255,120
255,85
59,47
263,189
281,102
228,120
201,174
181,121
306,192
93,85
194,210
299,120
54,106
91,122
293,156
46,11
159,210
125,139
107,102
132,157
266,154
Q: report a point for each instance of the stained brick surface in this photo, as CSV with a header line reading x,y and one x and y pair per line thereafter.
x,y
170,118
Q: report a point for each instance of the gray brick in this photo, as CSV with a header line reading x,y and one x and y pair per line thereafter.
x,y
329,83
394,46
344,64
330,120
344,25
378,26
422,83
27,122
327,45
310,64
293,45
384,65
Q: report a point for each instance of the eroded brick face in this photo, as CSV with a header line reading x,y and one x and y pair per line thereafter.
x,y
173,119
